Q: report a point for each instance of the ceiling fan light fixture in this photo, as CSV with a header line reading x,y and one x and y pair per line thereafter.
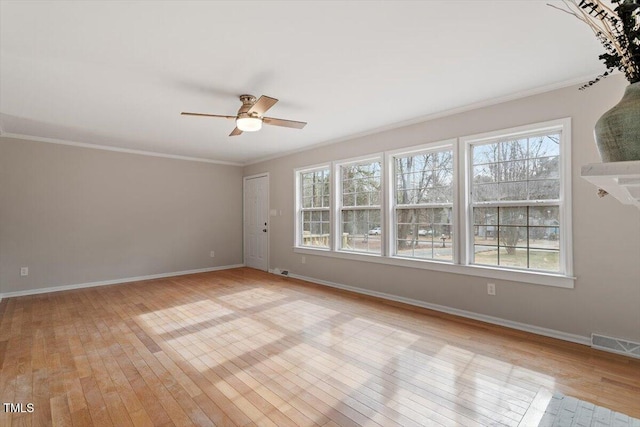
x,y
249,124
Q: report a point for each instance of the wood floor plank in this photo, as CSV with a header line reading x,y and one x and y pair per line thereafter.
x,y
241,347
60,414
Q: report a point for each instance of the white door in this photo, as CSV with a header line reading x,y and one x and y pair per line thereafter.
x,y
256,219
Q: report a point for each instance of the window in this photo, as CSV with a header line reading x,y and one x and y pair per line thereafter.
x,y
360,206
515,201
314,201
423,196
494,205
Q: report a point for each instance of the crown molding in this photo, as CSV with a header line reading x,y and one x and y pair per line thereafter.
x,y
116,149
432,116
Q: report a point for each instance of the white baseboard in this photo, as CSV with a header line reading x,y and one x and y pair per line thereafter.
x,y
457,312
114,282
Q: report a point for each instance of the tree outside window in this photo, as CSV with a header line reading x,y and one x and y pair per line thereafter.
x,y
424,205
515,198
361,222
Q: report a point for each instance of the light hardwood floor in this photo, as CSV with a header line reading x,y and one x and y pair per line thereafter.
x,y
242,347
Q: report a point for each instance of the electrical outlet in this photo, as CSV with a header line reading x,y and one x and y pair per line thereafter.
x,y
303,260
212,254
24,271
491,288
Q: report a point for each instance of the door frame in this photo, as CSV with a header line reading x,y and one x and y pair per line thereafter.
x,y
244,220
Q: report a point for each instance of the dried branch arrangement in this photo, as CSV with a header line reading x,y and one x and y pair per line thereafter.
x,y
618,29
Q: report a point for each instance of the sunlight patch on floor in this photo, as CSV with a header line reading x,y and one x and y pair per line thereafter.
x,y
252,297
183,316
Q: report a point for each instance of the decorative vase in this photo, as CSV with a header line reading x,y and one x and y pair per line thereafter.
x,y
617,132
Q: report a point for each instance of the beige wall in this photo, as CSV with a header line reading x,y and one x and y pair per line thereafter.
x,y
76,215
606,297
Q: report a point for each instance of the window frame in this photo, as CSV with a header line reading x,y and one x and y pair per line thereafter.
x,y
564,202
338,207
391,156
461,212
300,209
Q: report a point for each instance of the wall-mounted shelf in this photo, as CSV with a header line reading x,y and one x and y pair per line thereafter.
x,y
620,179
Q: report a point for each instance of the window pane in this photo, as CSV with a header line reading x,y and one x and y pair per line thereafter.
x,y
420,232
348,199
513,171
374,198
361,184
315,229
513,150
513,190
361,230
544,230
544,260
486,153
522,237
424,178
486,173
513,216
362,199
315,189
485,216
547,145
544,190
486,192
486,255
326,229
512,236
486,235
526,169
513,257
544,167
348,186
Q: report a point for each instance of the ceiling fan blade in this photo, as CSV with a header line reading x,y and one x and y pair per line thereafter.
x,y
262,105
207,115
284,123
235,132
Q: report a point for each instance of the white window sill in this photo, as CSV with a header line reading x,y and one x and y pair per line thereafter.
x,y
534,277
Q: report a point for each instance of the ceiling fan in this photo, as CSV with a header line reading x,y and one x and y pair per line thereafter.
x,y
250,116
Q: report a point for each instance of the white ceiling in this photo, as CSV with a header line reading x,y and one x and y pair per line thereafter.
x,y
118,74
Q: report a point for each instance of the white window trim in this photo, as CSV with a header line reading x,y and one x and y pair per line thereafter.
x,y
465,176
448,144
297,238
461,211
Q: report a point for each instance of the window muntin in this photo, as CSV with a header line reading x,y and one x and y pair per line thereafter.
x,y
530,171
360,207
423,211
315,203
515,202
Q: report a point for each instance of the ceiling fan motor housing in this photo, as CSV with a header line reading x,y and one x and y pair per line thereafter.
x,y
247,103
